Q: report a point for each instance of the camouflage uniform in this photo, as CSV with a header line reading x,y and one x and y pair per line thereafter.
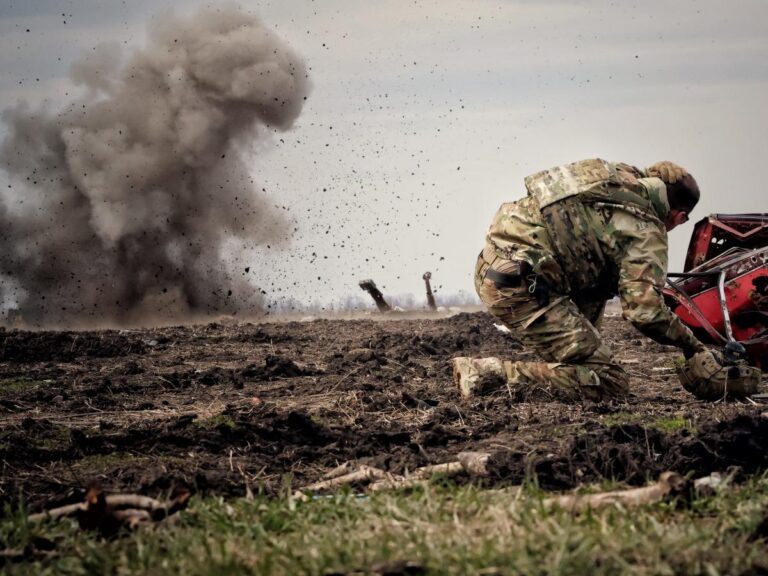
x,y
586,231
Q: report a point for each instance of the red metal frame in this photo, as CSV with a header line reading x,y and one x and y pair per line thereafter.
x,y
718,232
723,292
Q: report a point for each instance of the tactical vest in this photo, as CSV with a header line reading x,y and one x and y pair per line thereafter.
x,y
576,201
593,180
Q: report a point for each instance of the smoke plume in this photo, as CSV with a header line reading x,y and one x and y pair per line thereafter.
x,y
124,205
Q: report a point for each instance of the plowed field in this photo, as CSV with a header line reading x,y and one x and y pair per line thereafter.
x,y
226,407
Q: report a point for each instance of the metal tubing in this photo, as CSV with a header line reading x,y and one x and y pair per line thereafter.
x,y
694,309
724,306
691,274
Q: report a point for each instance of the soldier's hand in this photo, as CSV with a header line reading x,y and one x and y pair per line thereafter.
x,y
668,171
706,376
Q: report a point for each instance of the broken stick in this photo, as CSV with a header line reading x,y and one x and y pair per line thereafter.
x,y
362,474
670,484
419,476
475,463
340,470
114,501
108,513
472,463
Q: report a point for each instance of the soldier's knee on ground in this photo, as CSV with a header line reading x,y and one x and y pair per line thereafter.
x,y
568,381
597,379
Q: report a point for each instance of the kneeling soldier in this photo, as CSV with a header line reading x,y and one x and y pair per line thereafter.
x,y
585,232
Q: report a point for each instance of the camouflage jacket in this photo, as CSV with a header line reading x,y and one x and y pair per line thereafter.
x,y
591,230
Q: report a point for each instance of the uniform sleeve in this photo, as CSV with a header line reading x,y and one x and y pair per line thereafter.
x,y
642,275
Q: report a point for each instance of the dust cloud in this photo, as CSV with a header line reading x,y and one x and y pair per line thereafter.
x,y
125,206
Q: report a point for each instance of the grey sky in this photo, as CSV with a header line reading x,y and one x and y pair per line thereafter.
x,y
425,116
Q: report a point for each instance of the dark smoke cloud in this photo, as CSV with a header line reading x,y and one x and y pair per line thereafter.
x,y
124,205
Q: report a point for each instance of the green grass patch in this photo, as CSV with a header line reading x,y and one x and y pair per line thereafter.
x,y
15,385
665,424
672,424
443,529
620,418
217,421
110,460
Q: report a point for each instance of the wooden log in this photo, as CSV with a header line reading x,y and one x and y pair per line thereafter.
x,y
417,477
13,554
132,517
446,468
472,463
133,501
395,483
670,484
362,474
113,503
475,463
340,470
62,511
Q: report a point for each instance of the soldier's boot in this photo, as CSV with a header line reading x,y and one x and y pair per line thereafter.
x,y
613,378
473,375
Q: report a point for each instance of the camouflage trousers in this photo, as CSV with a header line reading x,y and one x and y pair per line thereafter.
x,y
564,333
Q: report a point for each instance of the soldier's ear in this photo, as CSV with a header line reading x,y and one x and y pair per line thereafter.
x,y
675,218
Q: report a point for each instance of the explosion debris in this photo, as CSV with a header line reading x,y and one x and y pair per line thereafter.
x,y
370,287
124,204
430,296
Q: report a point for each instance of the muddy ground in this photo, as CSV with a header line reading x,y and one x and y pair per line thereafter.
x,y
226,407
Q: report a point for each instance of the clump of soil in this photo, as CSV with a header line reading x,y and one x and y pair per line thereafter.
x,y
634,453
738,442
275,366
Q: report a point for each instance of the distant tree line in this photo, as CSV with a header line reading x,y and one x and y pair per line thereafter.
x,y
363,303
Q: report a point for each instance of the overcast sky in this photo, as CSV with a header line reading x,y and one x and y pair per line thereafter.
x,y
425,116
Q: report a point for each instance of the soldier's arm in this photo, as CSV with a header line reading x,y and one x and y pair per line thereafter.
x,y
642,275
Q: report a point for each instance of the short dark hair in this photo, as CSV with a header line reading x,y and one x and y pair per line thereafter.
x,y
684,194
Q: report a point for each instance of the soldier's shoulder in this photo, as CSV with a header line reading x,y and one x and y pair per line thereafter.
x,y
524,203
524,209
628,175
629,169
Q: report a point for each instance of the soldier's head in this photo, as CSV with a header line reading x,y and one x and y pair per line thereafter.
x,y
683,195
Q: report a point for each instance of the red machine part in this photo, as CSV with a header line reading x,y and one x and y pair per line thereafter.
x,y
732,250
739,294
717,233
